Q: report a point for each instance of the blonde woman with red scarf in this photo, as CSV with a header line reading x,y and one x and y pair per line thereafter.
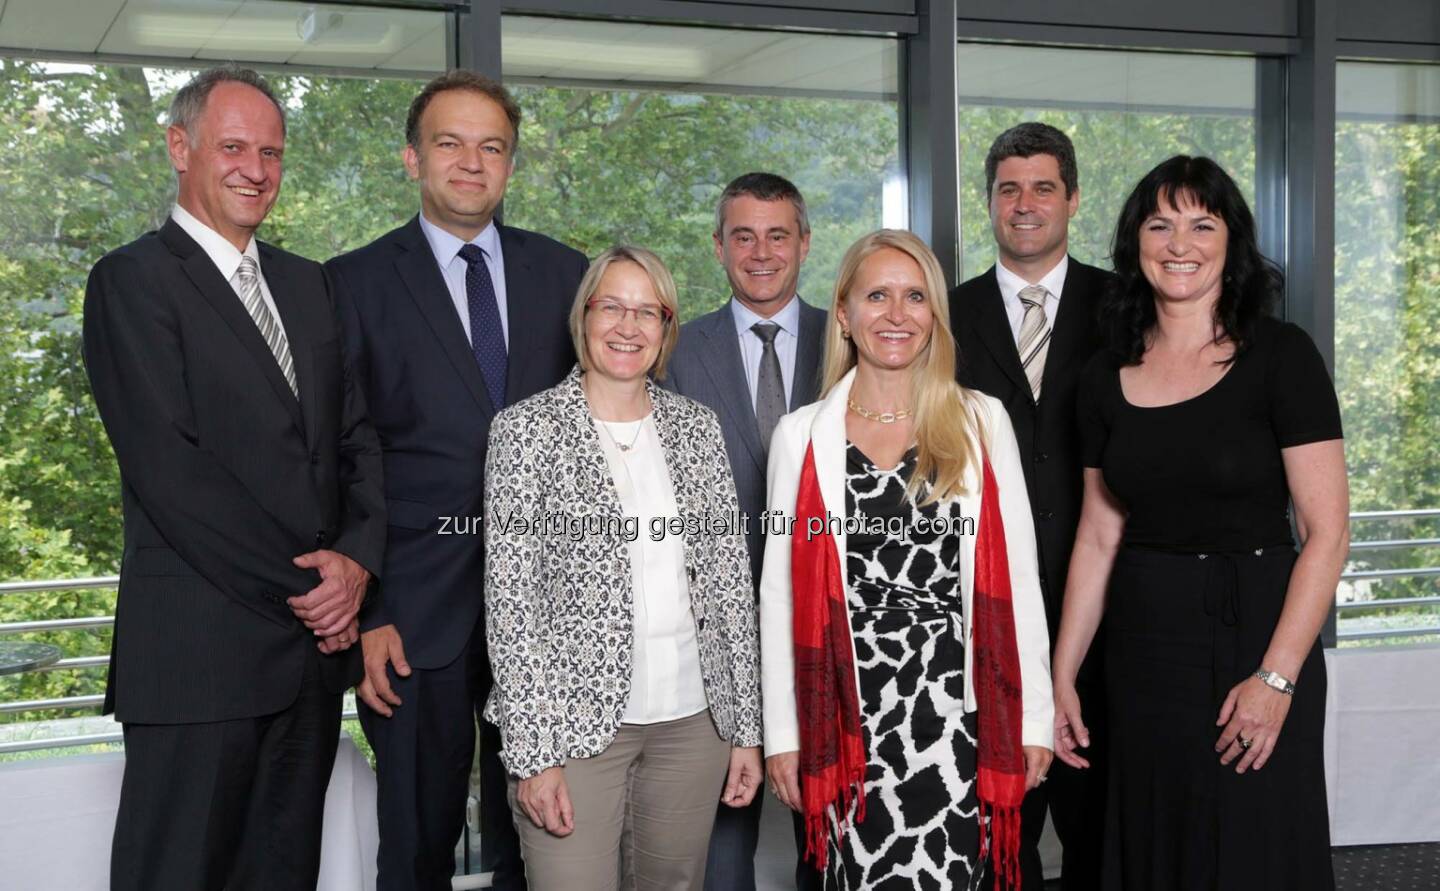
x,y
904,654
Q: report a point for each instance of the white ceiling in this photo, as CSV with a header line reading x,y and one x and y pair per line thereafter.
x,y
238,30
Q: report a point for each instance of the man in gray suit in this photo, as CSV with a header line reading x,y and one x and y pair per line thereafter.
x,y
753,360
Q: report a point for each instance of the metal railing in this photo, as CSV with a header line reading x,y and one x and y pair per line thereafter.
x,y
110,581
1354,606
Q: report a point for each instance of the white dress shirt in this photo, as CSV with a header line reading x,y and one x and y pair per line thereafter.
x,y
752,348
226,258
1011,284
665,679
453,267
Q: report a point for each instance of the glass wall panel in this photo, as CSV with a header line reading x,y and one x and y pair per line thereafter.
x,y
1125,111
1387,335
86,171
632,130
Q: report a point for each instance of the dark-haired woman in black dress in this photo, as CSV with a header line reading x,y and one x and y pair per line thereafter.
x,y
1203,422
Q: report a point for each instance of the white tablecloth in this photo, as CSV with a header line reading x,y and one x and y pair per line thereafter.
x,y
1382,745
57,815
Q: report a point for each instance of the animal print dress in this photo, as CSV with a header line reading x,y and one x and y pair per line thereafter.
x,y
920,831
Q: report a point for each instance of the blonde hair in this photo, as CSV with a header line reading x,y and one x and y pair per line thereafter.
x,y
660,280
944,419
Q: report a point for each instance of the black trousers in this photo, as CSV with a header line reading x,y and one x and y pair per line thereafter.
x,y
234,805
423,755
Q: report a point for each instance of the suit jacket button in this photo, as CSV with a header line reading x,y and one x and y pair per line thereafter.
x,y
1040,457
273,598
1046,515
320,539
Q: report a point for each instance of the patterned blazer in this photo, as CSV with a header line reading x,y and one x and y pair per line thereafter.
x,y
558,598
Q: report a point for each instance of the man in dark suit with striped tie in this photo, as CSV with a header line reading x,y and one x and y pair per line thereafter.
x,y
1025,328
449,319
254,515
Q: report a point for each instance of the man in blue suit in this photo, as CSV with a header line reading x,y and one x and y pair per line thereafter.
x,y
753,360
447,319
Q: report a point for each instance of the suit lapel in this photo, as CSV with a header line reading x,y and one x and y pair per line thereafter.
x,y
287,301
727,374
806,384
416,266
518,319
994,329
222,298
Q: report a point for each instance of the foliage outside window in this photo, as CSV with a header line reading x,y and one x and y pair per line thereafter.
x,y
86,172
1090,95
1387,330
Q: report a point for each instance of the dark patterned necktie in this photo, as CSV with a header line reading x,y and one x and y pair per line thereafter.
x,y
487,338
769,386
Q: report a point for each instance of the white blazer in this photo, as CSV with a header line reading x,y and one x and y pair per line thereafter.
x,y
823,423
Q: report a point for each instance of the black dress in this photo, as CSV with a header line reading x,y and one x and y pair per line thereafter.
x,y
1194,597
921,829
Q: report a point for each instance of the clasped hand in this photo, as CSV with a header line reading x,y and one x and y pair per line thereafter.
x,y
330,608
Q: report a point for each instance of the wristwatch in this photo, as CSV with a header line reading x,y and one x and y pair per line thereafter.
x,y
1271,679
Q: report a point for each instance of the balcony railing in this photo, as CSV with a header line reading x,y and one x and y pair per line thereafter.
x,y
89,702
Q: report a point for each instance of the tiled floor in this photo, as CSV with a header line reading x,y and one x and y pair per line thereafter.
x,y
1388,868
1375,868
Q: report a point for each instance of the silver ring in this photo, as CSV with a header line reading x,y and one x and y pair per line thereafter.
x,y
1246,743
1043,778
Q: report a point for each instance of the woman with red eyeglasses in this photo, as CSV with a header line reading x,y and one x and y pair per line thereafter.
x,y
621,623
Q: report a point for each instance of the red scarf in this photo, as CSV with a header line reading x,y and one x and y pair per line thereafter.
x,y
996,675
832,748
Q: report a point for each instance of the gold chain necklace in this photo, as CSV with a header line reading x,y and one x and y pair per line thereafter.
x,y
883,417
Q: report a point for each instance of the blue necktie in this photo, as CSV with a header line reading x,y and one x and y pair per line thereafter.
x,y
487,338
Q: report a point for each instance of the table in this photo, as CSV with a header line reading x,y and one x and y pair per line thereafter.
x,y
23,655
59,815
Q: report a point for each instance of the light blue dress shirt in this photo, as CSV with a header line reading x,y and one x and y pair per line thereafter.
x,y
446,248
752,348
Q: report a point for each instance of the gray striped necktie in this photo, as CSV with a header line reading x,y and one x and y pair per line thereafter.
x,y
247,281
1034,336
769,386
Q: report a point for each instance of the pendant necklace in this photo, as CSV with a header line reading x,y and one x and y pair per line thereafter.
x,y
622,446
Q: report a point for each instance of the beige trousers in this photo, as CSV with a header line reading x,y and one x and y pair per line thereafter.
x,y
644,808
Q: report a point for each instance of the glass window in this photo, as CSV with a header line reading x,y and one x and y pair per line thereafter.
x,y
632,130
1125,111
1387,339
86,171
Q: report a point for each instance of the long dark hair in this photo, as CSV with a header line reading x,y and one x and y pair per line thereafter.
x,y
1251,284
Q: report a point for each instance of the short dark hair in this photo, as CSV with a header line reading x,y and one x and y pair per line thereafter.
x,y
460,79
1250,285
189,102
765,187
1027,140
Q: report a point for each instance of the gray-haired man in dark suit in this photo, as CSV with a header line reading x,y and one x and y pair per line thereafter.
x,y
753,360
